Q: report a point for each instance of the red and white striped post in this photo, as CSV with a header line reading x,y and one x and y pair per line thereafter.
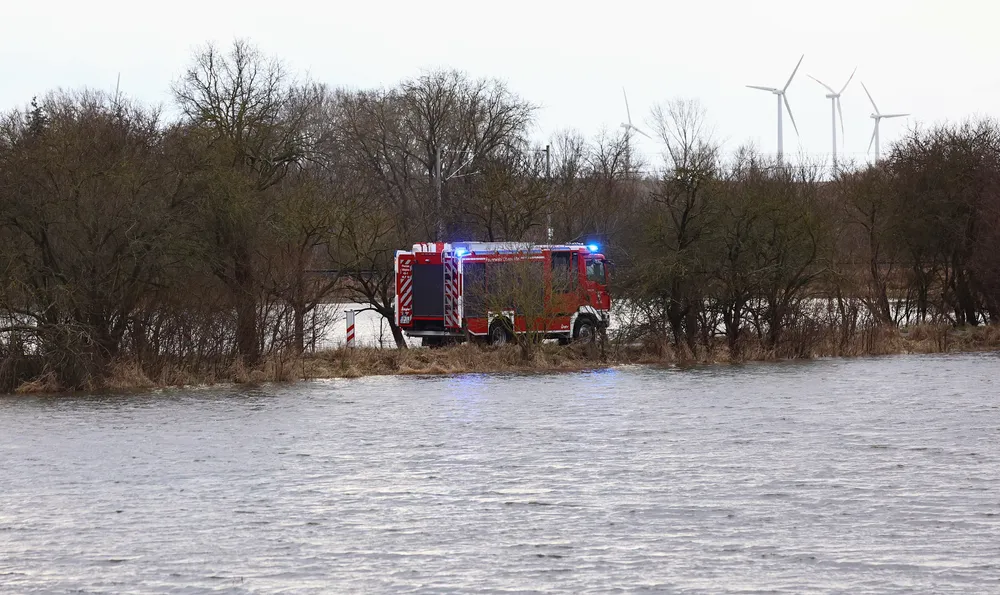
x,y
350,328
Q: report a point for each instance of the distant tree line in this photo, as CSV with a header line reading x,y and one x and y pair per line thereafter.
x,y
213,237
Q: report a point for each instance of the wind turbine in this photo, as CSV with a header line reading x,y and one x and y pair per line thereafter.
x,y
628,126
877,116
780,93
834,97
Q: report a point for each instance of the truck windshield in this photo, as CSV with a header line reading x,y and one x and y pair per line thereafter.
x,y
595,271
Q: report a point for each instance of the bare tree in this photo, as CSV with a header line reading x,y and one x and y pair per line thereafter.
x,y
946,176
295,268
868,237
518,297
681,213
88,214
248,124
509,197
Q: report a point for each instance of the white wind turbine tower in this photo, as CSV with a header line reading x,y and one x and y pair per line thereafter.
x,y
780,93
834,97
877,116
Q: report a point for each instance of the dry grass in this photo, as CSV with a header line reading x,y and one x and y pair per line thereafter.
x,y
45,383
457,359
946,339
128,375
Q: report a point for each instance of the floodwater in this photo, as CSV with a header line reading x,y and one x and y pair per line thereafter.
x,y
868,475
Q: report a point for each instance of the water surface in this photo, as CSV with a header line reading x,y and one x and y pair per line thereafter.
x,y
868,475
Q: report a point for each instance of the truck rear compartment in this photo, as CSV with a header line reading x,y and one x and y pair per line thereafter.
x,y
428,290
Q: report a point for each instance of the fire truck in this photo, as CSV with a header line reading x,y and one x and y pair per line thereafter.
x,y
492,291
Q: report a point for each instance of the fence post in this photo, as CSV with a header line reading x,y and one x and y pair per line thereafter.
x,y
350,328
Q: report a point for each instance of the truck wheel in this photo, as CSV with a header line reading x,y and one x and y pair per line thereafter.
x,y
499,334
585,331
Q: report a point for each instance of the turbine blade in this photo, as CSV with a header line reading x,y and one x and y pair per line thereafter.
x,y
869,96
640,131
769,89
872,141
627,111
822,83
893,115
848,80
840,111
790,116
793,73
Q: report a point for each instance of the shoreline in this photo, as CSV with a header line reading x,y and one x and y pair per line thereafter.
x,y
125,376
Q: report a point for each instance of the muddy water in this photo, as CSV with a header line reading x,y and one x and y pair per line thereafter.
x,y
877,475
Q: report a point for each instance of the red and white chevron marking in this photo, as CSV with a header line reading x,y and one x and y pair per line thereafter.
x,y
406,293
451,292
404,290
350,328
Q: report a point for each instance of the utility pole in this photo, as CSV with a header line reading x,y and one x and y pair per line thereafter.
x,y
548,192
437,184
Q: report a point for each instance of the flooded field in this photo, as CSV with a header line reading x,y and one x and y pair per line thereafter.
x,y
870,475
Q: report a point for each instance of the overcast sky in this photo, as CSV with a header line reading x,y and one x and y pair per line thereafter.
x,y
934,59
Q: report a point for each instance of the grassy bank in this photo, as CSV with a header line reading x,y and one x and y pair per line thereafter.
x,y
473,359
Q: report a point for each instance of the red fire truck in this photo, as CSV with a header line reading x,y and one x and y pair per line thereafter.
x,y
448,291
